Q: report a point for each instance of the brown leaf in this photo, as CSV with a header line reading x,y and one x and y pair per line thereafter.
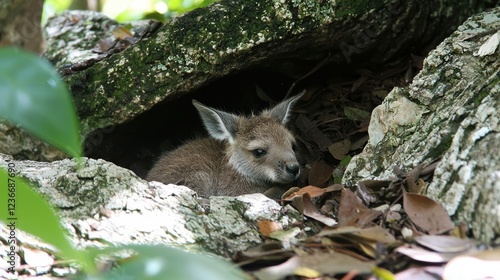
x,y
423,255
328,263
298,202
366,239
266,227
311,212
445,244
334,187
334,262
412,179
320,173
289,194
426,213
367,195
271,251
340,149
375,185
311,190
377,234
352,212
312,132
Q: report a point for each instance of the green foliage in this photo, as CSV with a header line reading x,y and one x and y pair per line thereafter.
x,y
33,96
337,176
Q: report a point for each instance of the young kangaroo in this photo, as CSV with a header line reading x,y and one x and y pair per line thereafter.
x,y
242,155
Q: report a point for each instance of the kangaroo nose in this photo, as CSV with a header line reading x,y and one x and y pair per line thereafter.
x,y
293,169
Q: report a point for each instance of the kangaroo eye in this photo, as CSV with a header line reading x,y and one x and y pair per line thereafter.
x,y
259,153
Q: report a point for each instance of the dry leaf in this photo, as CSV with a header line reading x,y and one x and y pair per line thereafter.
x,y
412,178
320,173
340,149
426,213
266,227
331,263
367,195
377,234
334,187
364,239
354,213
375,185
338,231
311,190
311,212
423,255
445,244
288,195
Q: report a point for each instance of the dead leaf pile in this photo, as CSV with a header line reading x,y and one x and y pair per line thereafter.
x,y
374,230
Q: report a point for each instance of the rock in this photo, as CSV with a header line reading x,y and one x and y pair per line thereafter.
x,y
449,112
101,202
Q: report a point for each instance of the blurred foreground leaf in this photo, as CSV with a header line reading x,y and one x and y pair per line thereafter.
x,y
161,262
33,96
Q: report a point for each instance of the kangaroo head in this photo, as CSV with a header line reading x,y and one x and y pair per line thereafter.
x,y
259,147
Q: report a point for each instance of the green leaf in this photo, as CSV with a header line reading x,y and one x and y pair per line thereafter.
x,y
33,96
160,262
356,114
383,273
27,210
345,161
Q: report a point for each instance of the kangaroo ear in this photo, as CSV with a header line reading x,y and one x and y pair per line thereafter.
x,y
220,125
282,110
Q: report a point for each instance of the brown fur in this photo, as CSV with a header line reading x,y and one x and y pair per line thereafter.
x,y
227,165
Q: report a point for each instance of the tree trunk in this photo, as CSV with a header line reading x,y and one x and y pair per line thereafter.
x,y
209,43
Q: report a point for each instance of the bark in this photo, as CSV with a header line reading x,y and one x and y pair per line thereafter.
x,y
450,113
224,38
